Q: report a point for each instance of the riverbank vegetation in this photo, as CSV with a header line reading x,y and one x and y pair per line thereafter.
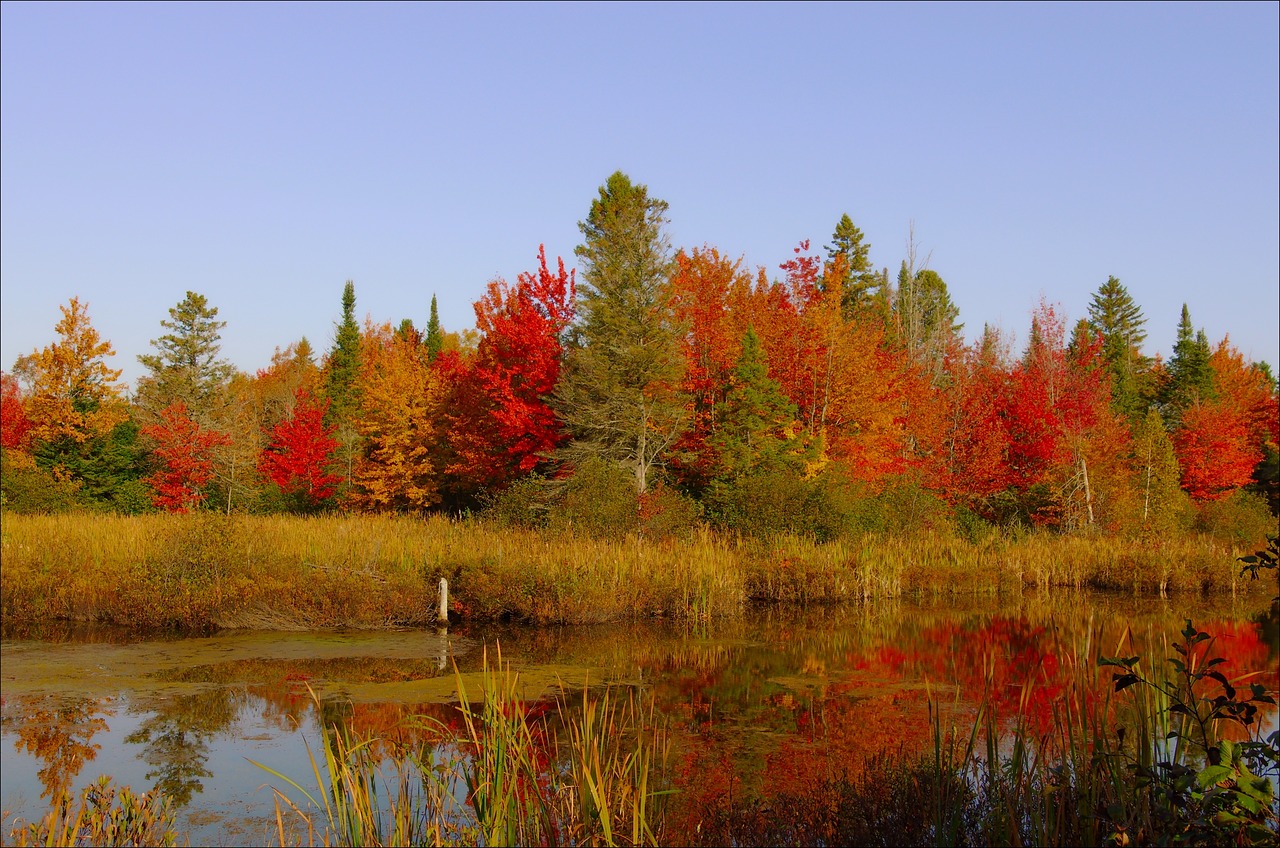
x,y
657,389
206,571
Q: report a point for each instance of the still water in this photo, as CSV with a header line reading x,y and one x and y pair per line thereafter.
x,y
762,706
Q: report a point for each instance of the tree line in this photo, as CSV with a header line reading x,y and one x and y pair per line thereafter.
x,y
671,381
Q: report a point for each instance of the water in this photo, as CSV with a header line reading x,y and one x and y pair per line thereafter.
x,y
770,704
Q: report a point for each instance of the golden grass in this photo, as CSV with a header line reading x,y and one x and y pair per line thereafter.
x,y
280,572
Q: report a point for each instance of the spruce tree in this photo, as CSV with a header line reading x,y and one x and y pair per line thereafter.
x,y
861,283
434,338
1114,314
759,433
344,361
1190,376
618,396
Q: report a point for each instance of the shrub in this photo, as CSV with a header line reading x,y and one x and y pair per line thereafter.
x,y
599,500
25,488
1241,518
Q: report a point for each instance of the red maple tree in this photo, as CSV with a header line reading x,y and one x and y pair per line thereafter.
x,y
501,423
15,424
184,454
301,451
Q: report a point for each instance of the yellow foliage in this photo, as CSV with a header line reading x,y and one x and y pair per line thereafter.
x,y
73,393
399,421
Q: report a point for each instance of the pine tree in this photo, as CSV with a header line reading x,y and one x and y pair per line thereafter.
x,y
1115,315
619,396
186,367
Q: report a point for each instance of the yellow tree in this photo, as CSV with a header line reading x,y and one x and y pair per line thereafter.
x,y
399,421
73,396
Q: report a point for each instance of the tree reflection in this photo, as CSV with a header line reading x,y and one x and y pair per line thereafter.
x,y
58,732
176,738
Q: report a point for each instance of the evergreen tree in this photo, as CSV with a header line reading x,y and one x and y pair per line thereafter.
x,y
1115,315
759,433
1190,376
434,338
186,366
619,392
924,316
861,283
344,361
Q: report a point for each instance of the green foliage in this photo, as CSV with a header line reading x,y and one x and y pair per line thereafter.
x,y
186,366
27,489
862,284
1166,508
778,503
758,431
925,315
1190,375
108,469
525,503
434,337
1242,518
1119,320
617,395
599,500
343,367
1202,789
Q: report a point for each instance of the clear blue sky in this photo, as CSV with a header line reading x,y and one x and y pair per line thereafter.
x,y
262,155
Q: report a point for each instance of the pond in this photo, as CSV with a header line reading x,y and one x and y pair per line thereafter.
x,y
761,706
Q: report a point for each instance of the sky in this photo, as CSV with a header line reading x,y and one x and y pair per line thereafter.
x,y
262,155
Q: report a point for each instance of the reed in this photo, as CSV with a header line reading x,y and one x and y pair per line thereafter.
x,y
508,779
208,571
104,814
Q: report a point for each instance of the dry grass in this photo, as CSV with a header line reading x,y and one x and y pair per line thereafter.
x,y
208,571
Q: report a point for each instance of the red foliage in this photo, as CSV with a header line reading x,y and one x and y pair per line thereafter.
x,y
502,424
15,425
184,454
301,450
1214,450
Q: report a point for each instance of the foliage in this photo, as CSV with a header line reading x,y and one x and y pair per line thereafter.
x,y
399,424
1115,316
186,367
618,396
184,454
1242,518
1203,789
105,815
501,423
300,454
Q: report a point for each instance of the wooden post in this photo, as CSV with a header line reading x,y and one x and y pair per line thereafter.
x,y
442,616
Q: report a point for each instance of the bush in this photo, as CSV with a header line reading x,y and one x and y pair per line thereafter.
x,y
24,488
599,500
1241,518
525,503
665,513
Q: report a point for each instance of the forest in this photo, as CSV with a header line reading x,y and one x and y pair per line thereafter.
x,y
661,389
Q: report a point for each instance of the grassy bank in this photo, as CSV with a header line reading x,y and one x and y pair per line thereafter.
x,y
208,571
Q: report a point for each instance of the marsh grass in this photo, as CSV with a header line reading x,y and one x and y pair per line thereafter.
x,y
104,814
515,775
208,571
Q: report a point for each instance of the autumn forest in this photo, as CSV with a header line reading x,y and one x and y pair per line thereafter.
x,y
664,388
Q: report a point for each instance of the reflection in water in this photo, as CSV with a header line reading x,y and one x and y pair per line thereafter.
x,y
57,732
770,708
176,735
